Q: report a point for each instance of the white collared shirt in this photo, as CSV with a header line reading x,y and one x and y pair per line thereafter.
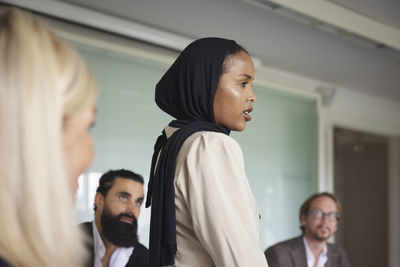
x,y
120,256
322,258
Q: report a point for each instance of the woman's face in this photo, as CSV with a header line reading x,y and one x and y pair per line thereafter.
x,y
78,144
234,96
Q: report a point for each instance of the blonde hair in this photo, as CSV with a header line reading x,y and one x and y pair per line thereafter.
x,y
42,82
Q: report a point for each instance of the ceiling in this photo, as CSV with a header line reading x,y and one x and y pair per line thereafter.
x,y
280,42
385,11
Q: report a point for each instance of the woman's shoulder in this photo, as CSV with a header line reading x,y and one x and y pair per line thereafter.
x,y
207,143
208,139
204,137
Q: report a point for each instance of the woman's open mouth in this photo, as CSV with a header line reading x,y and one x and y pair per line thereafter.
x,y
247,116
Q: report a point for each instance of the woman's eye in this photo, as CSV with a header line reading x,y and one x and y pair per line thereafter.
x,y
90,127
243,84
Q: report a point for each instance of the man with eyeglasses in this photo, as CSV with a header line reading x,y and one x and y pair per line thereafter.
x,y
319,217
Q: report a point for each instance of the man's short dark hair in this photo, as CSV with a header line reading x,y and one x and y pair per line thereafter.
x,y
305,208
107,180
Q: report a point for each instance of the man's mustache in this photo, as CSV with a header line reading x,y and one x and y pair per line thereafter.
x,y
127,215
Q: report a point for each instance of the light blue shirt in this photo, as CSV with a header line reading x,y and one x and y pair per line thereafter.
x,y
322,258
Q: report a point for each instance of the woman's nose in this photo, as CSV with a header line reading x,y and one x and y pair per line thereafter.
x,y
252,97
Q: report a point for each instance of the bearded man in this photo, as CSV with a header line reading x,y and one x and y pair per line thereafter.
x,y
319,218
117,203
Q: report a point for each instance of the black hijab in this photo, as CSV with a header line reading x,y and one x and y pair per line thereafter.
x,y
186,92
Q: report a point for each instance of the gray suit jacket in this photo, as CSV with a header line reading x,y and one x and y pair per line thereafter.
x,y
292,253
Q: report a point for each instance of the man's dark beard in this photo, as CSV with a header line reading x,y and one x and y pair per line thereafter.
x,y
119,233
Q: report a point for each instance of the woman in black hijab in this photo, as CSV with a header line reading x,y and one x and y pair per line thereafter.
x,y
203,212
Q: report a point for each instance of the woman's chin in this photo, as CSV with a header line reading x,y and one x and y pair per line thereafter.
x,y
240,128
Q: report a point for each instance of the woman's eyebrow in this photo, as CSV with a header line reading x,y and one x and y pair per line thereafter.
x,y
246,75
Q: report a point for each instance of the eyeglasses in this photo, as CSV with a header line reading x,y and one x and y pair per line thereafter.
x,y
332,216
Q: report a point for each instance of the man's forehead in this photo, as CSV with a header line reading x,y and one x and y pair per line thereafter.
x,y
125,184
324,202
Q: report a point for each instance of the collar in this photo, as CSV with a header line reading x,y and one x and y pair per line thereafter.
x,y
322,258
169,130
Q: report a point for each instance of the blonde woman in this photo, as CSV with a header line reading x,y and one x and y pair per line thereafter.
x,y
47,104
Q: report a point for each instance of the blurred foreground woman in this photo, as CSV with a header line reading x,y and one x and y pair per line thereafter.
x,y
47,104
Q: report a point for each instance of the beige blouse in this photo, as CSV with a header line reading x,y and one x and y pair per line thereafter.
x,y
217,220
